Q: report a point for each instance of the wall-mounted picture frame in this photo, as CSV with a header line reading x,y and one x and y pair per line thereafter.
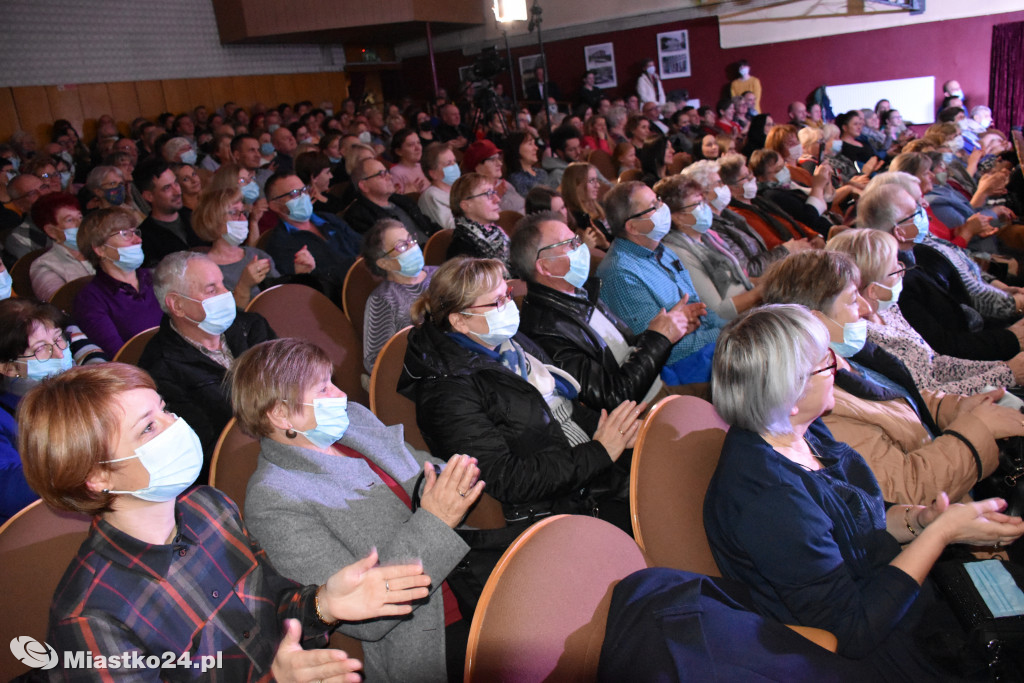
x,y
601,58
674,54
526,66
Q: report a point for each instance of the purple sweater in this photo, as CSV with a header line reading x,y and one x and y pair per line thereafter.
x,y
111,312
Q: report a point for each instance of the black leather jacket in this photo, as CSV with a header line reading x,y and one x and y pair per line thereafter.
x,y
559,323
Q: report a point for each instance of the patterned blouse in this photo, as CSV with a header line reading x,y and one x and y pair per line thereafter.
x,y
932,370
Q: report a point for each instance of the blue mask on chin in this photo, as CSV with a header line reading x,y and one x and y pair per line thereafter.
x,y
855,335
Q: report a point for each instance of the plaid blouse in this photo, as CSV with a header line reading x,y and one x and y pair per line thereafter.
x,y
211,590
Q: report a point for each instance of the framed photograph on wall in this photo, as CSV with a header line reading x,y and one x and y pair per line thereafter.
x,y
465,74
601,58
674,54
526,66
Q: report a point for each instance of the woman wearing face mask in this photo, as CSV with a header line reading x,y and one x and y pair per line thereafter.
x,y
918,442
390,253
795,514
179,150
119,301
806,210
442,169
482,388
333,483
718,276
105,188
875,254
98,441
35,343
58,215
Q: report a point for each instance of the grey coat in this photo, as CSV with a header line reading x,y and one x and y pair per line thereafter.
x,y
316,513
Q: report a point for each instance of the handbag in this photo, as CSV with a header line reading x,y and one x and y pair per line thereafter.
x,y
1007,482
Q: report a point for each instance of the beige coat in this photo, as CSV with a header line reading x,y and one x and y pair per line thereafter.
x,y
911,467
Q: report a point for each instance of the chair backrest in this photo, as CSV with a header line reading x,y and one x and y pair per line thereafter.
x,y
132,350
543,611
436,251
631,175
21,282
676,453
263,240
234,461
508,220
387,404
36,547
359,283
301,311
604,163
64,298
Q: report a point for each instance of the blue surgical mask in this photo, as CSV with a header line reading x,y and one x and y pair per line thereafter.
x,y
334,160
921,222
410,262
71,239
173,459
947,157
250,192
115,196
855,334
41,369
237,232
331,421
6,283
271,127
702,214
941,176
189,157
451,174
662,219
837,146
16,162
300,208
501,325
267,149
129,258
579,266
783,177
894,293
220,313
65,178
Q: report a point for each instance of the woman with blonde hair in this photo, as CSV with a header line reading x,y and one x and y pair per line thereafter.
x,y
483,388
580,189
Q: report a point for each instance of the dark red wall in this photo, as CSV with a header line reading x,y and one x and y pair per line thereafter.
x,y
788,71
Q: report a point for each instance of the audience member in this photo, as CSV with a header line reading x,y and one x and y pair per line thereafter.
x,y
442,170
60,218
745,84
169,225
566,148
523,169
407,152
24,190
648,86
376,199
475,205
314,169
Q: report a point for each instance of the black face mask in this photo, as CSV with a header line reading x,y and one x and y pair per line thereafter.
x,y
426,127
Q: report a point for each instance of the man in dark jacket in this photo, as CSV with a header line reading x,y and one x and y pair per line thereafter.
x,y
579,332
200,335
376,199
168,228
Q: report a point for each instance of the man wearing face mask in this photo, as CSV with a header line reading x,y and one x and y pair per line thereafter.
x,y
200,334
333,244
60,218
641,277
747,83
168,228
577,329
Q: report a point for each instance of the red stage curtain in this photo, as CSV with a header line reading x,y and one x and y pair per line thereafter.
x,y
1006,82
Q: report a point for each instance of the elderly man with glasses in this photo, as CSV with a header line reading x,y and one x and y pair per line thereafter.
x,y
563,315
376,199
332,243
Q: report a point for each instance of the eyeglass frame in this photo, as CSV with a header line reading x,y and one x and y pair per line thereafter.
x,y
48,347
498,304
575,241
291,194
408,244
490,194
833,366
649,209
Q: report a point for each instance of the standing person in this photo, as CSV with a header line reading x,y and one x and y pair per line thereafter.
x,y
648,86
746,83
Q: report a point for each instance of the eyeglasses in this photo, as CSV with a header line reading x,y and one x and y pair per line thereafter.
x,y
832,367
684,207
402,247
44,351
126,234
243,180
383,172
292,194
490,194
657,205
573,243
900,271
239,215
593,181
918,210
496,157
499,304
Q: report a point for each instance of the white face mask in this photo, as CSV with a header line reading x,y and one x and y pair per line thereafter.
x,y
173,459
237,232
795,151
744,71
650,70
723,195
750,188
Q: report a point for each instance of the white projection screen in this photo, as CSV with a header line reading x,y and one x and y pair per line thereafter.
x,y
914,97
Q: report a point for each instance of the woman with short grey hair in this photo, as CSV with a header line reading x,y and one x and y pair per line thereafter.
x,y
799,517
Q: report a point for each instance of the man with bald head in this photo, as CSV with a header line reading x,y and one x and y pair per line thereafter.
x,y
578,330
451,129
376,199
285,145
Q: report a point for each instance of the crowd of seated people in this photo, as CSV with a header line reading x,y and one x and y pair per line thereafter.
x,y
847,293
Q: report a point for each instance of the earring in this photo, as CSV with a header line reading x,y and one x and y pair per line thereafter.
x,y
105,491
290,433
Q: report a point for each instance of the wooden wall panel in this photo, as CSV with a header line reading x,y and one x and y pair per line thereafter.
x,y
176,97
151,97
124,104
8,114
33,110
65,103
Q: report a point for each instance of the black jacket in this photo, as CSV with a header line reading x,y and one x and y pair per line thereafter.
x,y
466,403
190,382
935,302
560,324
363,213
158,242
